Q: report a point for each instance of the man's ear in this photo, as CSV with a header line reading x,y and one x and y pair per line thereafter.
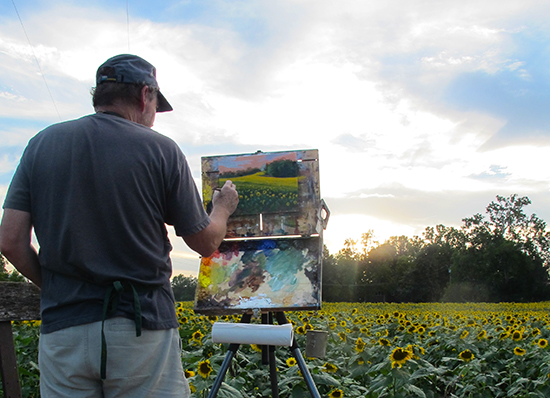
x,y
143,97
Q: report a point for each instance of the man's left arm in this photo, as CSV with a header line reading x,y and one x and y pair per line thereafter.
x,y
15,244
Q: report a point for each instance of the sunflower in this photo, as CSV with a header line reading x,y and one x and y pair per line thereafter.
x,y
359,345
543,343
399,356
481,335
212,318
189,373
336,394
464,334
197,336
300,330
328,367
255,347
517,335
466,355
343,324
384,342
342,336
291,362
204,368
519,351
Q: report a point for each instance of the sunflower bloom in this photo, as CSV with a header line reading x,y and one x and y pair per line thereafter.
x,y
384,342
336,394
464,334
189,373
519,351
466,355
328,367
204,368
291,361
481,335
359,345
399,356
342,336
543,343
197,336
517,335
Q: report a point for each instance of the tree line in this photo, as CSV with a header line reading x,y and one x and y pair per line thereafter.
x,y
502,256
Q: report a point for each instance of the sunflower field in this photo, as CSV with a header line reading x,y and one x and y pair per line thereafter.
x,y
373,350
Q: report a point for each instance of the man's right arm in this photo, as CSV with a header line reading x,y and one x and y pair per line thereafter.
x,y
209,239
15,244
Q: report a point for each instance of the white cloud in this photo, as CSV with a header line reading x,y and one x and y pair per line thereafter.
x,y
360,81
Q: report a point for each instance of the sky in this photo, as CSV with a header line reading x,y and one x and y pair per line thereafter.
x,y
422,111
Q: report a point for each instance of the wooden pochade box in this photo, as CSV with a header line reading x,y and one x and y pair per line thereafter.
x,y
271,257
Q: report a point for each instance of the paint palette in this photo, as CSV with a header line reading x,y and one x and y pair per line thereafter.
x,y
267,274
271,257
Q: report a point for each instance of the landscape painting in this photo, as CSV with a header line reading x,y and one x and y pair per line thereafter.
x,y
266,274
278,191
266,182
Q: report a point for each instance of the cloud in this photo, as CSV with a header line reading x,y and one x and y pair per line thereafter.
x,y
421,111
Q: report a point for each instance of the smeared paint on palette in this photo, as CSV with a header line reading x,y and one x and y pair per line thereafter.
x,y
281,274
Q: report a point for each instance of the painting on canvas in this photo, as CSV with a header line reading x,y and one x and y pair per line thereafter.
x,y
278,191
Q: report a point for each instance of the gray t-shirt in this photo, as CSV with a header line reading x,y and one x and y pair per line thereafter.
x,y
100,190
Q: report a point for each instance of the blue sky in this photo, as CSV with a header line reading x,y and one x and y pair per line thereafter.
x,y
422,112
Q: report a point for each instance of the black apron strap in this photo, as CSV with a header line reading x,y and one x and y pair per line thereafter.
x,y
110,305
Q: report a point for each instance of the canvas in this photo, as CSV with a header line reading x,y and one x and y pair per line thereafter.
x,y
278,191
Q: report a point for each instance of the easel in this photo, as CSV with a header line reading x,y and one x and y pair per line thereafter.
x,y
268,357
295,226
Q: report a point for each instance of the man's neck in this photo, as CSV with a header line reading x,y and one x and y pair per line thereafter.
x,y
125,112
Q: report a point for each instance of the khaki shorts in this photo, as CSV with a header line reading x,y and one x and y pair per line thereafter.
x,y
146,366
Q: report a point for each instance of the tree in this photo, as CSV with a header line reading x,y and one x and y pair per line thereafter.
x,y
506,256
184,287
508,220
431,272
6,276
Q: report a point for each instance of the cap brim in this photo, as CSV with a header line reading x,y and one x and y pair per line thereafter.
x,y
162,104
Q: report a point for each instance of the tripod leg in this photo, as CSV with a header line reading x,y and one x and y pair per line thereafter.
x,y
273,373
226,362
223,370
281,320
268,357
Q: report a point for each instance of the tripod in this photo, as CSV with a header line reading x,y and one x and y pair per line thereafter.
x,y
268,357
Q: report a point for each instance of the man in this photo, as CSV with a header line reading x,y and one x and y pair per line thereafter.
x,y
98,192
